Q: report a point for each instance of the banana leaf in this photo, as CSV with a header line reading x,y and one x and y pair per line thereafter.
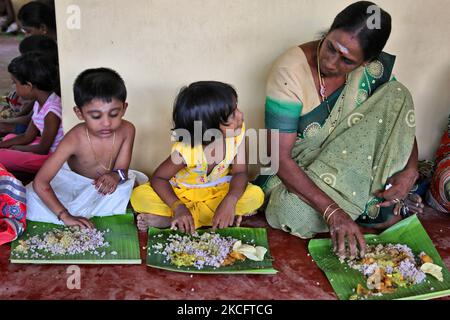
x,y
246,235
410,231
122,237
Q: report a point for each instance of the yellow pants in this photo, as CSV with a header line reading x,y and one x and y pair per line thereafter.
x,y
201,202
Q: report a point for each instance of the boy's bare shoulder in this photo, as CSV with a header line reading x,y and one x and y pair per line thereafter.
x,y
76,134
127,128
127,125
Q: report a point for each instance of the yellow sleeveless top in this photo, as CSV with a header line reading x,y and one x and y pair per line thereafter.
x,y
196,170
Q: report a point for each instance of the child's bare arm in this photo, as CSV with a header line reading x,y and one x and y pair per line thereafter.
x,y
23,117
107,183
51,127
27,109
21,140
160,182
126,150
18,120
41,183
225,213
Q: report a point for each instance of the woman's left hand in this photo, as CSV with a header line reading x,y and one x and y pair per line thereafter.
x,y
402,183
107,183
225,213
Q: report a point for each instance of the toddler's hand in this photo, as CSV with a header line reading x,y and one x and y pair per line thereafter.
x,y
183,220
225,213
107,183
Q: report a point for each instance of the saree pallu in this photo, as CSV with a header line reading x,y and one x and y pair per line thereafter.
x,y
438,195
367,137
12,207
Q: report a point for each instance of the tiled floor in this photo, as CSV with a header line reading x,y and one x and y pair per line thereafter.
x,y
9,49
298,278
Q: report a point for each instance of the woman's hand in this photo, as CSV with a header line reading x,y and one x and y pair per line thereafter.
x,y
183,220
72,221
107,183
342,227
402,183
225,213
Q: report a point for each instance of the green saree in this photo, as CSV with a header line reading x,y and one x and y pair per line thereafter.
x,y
349,153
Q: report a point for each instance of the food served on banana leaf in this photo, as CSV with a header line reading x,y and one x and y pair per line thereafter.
x,y
67,241
389,267
206,250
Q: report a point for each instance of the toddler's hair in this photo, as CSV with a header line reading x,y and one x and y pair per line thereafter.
x,y
210,102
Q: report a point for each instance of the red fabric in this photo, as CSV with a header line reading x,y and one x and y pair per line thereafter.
x,y
12,207
7,232
437,195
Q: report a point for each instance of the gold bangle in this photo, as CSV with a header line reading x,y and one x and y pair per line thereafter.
x,y
325,212
176,204
333,212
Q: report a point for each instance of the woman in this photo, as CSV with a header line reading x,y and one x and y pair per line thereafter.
x,y
347,134
12,207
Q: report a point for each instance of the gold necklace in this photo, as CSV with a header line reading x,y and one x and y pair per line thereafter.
x,y
323,89
95,155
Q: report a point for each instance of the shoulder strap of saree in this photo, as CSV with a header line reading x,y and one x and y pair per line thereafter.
x,y
375,74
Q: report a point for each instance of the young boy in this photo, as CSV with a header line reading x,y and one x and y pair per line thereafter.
x,y
87,175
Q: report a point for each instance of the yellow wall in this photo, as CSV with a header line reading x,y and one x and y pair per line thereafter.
x,y
160,45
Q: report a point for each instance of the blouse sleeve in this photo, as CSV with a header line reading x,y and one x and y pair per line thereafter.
x,y
283,105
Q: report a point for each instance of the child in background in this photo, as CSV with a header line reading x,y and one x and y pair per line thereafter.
x,y
16,115
35,77
202,183
37,18
6,15
87,175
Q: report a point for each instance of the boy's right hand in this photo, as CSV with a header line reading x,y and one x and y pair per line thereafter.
x,y
183,220
72,221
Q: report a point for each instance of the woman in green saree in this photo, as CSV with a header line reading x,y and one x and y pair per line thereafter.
x,y
347,149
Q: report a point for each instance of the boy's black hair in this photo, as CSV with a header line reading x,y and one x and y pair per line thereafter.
x,y
210,102
355,19
101,83
37,69
42,44
34,14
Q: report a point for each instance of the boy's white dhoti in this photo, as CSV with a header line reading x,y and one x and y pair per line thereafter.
x,y
79,196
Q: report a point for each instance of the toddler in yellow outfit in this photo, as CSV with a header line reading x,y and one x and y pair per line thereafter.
x,y
201,183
